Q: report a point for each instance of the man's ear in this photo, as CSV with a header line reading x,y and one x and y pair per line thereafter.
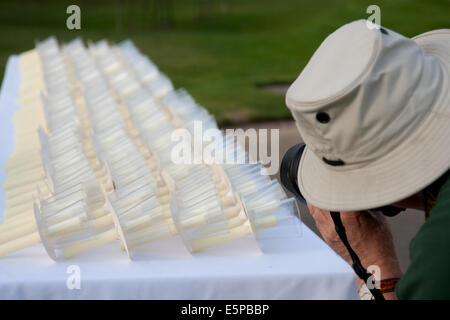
x,y
416,201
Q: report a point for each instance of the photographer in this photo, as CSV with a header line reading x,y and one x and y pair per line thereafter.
x,y
373,108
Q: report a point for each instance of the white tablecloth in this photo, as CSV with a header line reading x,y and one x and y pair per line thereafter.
x,y
300,268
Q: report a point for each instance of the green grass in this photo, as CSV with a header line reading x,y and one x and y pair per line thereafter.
x,y
218,52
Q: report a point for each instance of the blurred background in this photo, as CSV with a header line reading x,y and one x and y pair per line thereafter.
x,y
235,57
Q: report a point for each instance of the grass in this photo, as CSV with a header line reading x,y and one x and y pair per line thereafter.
x,y
217,50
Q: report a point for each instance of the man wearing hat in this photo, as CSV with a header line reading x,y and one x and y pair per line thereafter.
x,y
373,108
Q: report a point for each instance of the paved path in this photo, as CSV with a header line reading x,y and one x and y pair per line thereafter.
x,y
404,226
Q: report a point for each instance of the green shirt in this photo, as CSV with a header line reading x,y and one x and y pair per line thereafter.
x,y
428,276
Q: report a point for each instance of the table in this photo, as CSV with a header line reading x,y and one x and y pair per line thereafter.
x,y
295,268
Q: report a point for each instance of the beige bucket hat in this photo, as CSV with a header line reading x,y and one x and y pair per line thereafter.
x,y
373,108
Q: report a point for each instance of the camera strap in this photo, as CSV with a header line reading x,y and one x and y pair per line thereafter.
x,y
360,271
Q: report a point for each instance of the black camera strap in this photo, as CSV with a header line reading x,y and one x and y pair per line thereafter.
x,y
360,271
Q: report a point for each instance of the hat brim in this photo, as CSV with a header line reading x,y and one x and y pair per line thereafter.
x,y
419,160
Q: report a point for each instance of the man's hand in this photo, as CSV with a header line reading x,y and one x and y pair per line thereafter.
x,y
368,234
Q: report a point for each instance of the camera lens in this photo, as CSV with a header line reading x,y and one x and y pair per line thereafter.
x,y
289,168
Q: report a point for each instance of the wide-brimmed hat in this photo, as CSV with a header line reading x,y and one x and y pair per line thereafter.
x,y
373,108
